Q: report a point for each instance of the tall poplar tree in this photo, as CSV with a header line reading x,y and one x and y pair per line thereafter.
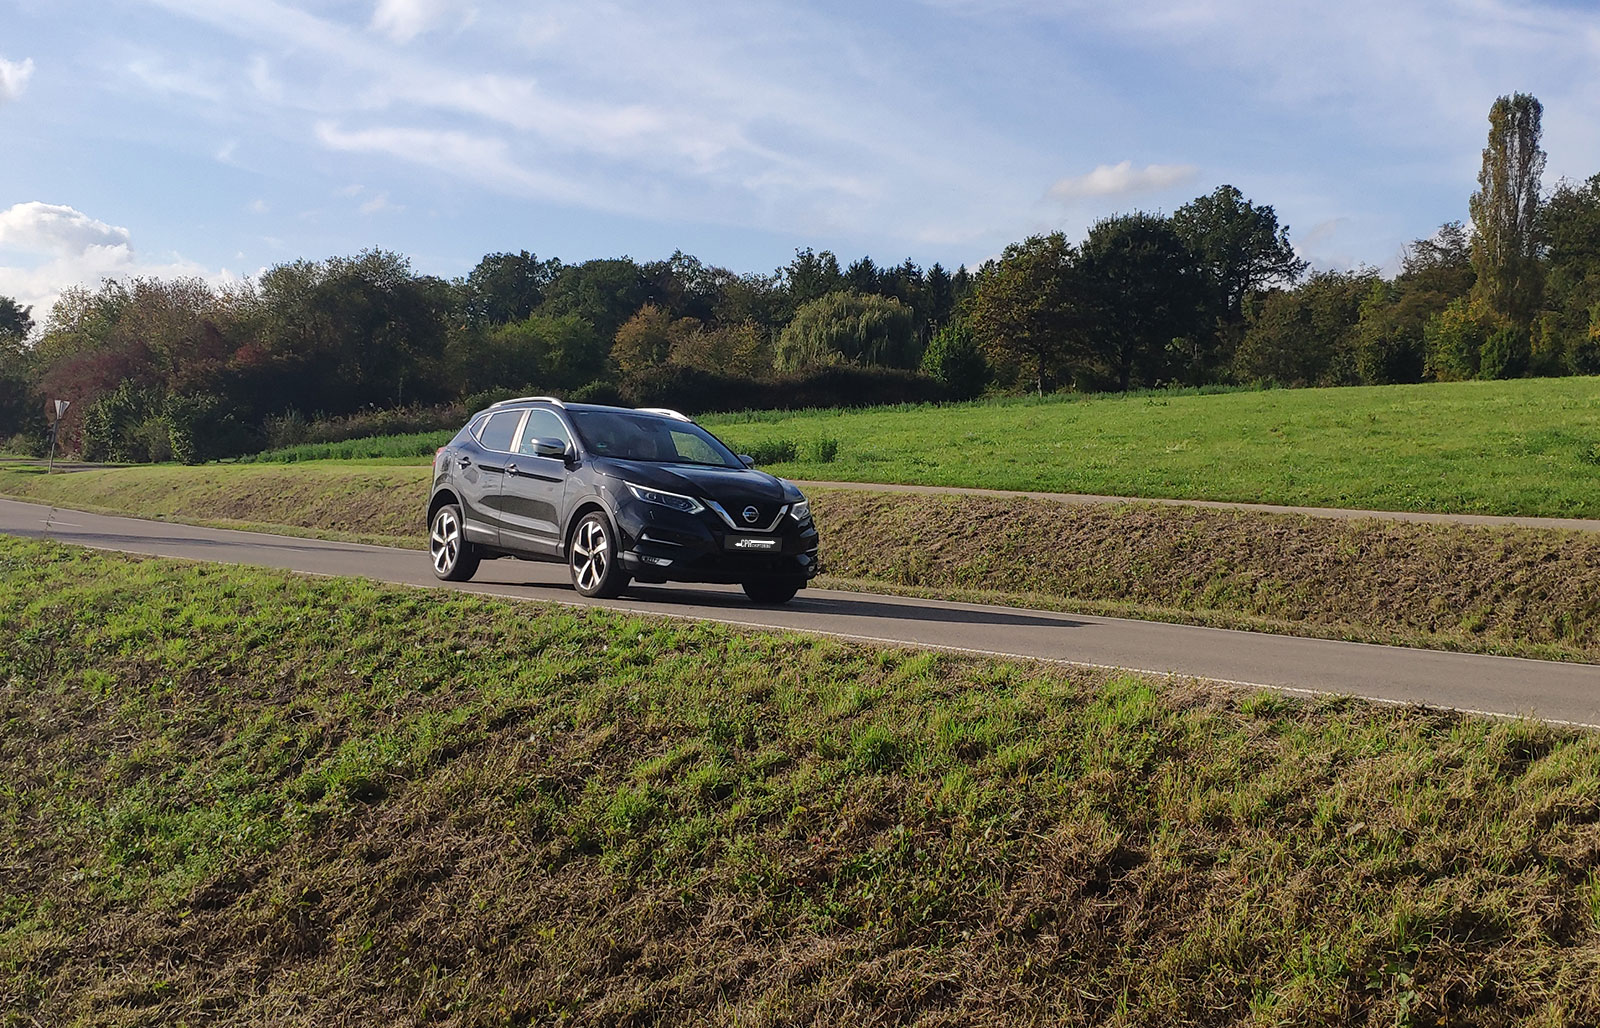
x,y
1505,209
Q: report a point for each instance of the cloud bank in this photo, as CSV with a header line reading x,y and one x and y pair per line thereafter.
x,y
69,248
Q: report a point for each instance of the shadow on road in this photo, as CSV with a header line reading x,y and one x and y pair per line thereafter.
x,y
862,608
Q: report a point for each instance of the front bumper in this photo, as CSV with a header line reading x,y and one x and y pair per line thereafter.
x,y
664,545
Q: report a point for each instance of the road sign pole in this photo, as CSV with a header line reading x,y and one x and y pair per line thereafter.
x,y
55,430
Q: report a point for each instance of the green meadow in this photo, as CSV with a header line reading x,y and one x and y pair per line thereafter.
x,y
1528,446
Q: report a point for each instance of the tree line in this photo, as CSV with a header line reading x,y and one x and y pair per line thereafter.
x,y
1212,293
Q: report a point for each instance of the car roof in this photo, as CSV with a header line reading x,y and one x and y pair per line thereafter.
x,y
520,401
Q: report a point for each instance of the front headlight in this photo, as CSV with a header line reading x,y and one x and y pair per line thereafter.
x,y
801,511
677,501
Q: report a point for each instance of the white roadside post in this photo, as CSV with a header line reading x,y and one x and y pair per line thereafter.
x,y
55,430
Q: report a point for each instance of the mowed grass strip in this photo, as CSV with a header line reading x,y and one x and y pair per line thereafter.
x,y
244,797
1483,590
371,502
1530,446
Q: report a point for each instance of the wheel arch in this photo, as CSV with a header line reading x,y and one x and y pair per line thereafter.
x,y
580,512
442,498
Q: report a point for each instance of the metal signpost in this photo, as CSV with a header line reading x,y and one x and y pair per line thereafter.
x,y
55,430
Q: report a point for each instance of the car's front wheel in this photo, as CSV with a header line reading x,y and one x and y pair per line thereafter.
x,y
592,558
454,559
771,593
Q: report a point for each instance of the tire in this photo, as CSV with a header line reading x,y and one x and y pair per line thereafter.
x,y
454,559
592,559
771,593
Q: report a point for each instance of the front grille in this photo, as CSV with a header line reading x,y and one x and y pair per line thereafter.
x,y
767,515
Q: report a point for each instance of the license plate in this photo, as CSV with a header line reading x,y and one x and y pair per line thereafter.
x,y
755,544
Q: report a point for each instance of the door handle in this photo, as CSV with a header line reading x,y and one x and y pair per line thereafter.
x,y
511,469
465,462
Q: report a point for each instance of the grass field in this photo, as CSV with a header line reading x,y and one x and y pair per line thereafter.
x,y
1530,446
413,448
1486,590
236,797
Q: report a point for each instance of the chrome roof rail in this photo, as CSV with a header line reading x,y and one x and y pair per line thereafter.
x,y
529,399
665,412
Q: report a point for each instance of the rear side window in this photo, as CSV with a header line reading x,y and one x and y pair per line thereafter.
x,y
471,431
499,430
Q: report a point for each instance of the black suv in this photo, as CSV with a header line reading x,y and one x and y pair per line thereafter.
x,y
619,495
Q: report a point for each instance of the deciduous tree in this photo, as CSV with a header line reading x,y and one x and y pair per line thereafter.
x,y
1024,308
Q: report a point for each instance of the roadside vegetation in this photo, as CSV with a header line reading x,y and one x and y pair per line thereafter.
x,y
239,796
1213,294
1529,447
1487,590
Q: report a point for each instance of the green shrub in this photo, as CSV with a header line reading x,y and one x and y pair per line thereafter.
x,y
772,451
1505,354
954,359
820,451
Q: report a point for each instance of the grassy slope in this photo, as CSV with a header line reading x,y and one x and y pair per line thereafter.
x,y
1477,589
1492,590
245,797
1522,447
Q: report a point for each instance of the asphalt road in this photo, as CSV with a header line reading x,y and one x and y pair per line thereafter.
x,y
1558,692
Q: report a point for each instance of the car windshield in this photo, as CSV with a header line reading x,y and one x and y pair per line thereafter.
x,y
649,437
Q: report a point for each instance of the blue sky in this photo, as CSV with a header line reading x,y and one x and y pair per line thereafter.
x,y
218,137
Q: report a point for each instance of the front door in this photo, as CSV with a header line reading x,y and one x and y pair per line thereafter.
x,y
531,495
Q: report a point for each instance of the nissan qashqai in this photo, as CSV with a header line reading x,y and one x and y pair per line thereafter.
x,y
619,495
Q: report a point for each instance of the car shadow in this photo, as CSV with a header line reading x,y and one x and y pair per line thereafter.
x,y
677,596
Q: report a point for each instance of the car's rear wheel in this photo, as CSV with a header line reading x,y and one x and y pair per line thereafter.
x,y
454,559
771,593
592,558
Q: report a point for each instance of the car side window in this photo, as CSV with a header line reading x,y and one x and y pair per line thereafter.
x,y
542,424
499,430
692,448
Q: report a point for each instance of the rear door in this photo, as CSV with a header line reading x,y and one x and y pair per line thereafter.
x,y
531,497
480,474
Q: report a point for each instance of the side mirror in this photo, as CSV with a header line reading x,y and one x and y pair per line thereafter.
x,y
747,460
556,448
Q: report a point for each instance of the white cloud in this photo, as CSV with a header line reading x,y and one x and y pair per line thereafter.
x,y
482,158
1123,180
41,228
77,250
379,204
14,78
404,20
599,108
159,77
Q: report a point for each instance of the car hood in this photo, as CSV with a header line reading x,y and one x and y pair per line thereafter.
x,y
725,485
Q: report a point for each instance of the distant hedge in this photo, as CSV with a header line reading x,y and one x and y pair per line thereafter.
x,y
694,391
